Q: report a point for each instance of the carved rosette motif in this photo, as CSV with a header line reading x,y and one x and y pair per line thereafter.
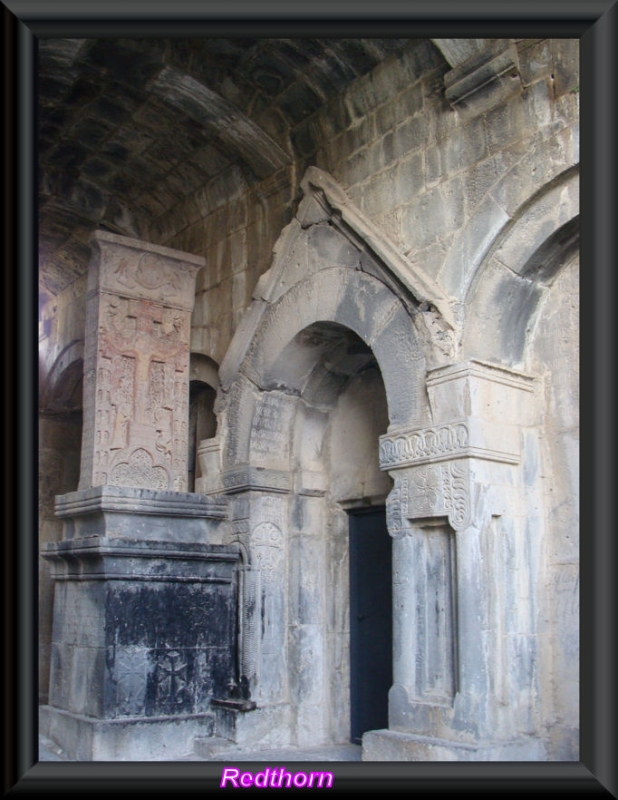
x,y
428,491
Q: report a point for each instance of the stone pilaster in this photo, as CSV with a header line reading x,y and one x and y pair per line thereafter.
x,y
465,552
139,304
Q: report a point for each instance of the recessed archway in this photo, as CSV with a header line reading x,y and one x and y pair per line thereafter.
x,y
318,420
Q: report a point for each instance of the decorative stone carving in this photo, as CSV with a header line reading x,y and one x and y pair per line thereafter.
x,y
270,434
136,365
130,673
130,268
171,676
484,408
471,438
139,471
267,547
395,503
423,444
441,490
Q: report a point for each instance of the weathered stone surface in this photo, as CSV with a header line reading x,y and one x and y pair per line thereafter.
x,y
136,363
389,285
129,639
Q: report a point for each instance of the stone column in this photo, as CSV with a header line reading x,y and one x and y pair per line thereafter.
x,y
466,556
136,364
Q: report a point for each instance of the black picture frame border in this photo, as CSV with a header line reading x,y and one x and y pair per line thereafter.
x,y
595,23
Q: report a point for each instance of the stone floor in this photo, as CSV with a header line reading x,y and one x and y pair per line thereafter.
x,y
48,751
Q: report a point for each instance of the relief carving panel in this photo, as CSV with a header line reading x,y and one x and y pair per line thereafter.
x,y
423,444
431,490
139,357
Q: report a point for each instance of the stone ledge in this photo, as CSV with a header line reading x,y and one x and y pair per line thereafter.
x,y
387,745
138,739
97,558
138,501
117,512
244,479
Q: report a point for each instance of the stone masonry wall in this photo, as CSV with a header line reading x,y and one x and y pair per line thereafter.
x,y
417,168
420,171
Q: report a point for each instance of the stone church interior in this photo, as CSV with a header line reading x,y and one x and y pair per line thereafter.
x,y
308,406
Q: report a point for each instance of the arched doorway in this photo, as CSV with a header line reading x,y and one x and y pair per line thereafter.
x,y
203,383
330,358
313,477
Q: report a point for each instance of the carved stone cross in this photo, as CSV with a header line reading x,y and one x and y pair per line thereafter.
x,y
139,304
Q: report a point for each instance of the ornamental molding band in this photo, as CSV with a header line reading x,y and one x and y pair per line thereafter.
x,y
464,438
136,365
244,479
101,558
430,491
122,500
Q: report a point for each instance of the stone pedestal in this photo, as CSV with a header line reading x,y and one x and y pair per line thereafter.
x,y
146,601
144,628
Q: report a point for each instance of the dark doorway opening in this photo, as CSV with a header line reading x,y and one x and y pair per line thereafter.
x,y
371,639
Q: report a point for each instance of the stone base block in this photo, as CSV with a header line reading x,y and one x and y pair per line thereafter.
x,y
386,745
158,739
267,727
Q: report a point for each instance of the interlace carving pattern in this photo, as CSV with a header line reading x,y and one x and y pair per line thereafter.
x,y
423,444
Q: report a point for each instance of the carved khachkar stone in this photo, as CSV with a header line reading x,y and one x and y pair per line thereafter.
x,y
139,304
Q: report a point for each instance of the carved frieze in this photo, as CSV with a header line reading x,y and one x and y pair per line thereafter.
x,y
463,438
423,444
130,268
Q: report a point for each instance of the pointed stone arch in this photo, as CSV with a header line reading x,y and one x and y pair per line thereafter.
x,y
332,265
518,270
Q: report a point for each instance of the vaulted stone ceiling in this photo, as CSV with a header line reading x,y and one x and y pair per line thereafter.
x,y
128,128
